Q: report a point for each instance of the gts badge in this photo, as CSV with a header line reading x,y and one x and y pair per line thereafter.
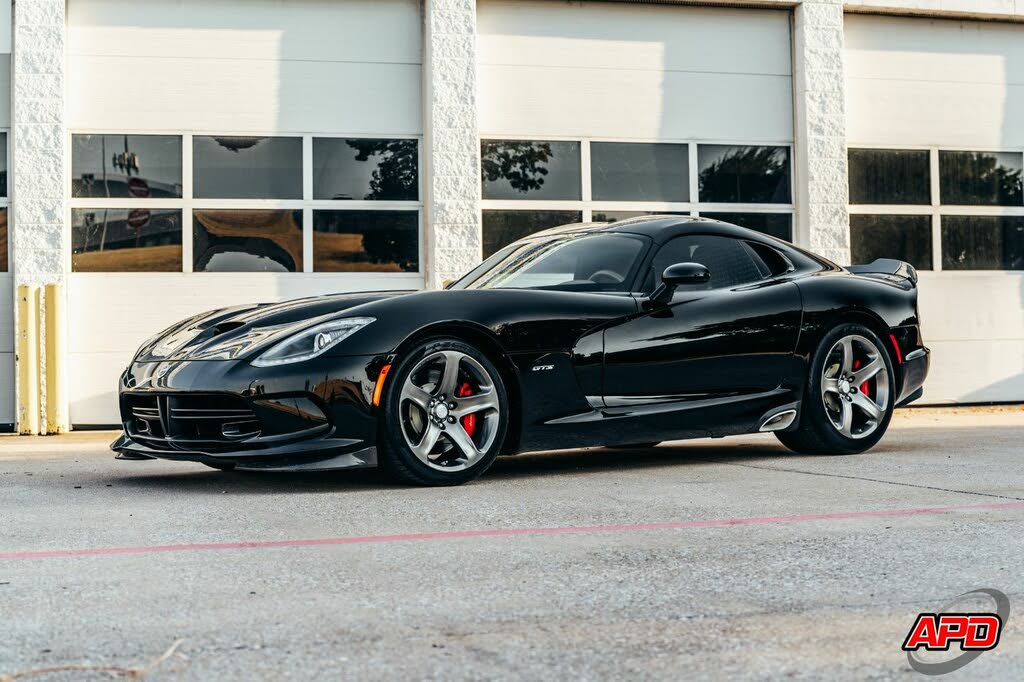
x,y
543,368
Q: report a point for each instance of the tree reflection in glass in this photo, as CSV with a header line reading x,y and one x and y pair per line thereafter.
x,y
737,174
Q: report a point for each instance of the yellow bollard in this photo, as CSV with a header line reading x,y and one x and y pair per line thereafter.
x,y
28,360
54,368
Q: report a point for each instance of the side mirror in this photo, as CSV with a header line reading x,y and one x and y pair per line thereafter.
x,y
685,273
678,275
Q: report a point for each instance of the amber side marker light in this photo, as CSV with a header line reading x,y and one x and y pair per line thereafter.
x,y
379,388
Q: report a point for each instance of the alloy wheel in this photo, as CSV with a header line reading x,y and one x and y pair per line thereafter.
x,y
449,410
855,386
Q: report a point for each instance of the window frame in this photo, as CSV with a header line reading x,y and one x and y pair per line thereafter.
x,y
935,209
188,203
587,206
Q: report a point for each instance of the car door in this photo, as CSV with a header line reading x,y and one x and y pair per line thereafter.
x,y
734,336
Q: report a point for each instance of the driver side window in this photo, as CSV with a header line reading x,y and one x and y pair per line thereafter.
x,y
730,263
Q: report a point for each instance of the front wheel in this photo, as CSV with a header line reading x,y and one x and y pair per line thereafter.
x,y
445,415
849,395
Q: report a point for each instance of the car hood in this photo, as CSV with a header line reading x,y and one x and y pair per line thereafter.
x,y
232,333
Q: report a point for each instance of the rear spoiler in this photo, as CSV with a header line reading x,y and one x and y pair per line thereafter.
x,y
886,266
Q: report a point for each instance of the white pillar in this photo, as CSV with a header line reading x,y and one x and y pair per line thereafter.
x,y
38,233
822,184
451,142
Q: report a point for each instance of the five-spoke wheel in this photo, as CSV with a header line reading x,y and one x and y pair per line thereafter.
x,y
445,415
849,396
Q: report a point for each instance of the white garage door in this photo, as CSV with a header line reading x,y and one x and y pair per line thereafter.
x,y
935,120
604,111
229,151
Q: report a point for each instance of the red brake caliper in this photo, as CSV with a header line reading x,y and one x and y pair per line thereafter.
x,y
863,388
469,421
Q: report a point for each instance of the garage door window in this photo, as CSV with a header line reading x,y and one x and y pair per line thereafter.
x,y
231,203
526,190
744,175
970,217
247,167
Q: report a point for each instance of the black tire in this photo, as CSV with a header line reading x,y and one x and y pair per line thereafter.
x,y
816,433
396,457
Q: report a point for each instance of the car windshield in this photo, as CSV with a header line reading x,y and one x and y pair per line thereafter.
x,y
567,262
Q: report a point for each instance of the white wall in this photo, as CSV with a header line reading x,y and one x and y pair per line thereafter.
x,y
950,84
634,71
238,65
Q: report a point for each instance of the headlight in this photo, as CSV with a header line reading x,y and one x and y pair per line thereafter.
x,y
309,343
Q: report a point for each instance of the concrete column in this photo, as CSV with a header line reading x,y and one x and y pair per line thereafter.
x,y
451,141
38,234
822,183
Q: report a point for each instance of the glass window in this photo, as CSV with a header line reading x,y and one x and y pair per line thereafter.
x,y
366,241
3,240
504,227
903,237
889,176
365,169
125,240
599,216
3,164
729,262
982,243
750,175
128,166
596,262
249,240
247,167
523,169
980,178
624,171
773,224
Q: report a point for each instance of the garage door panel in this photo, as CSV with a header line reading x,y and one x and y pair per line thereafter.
x,y
356,30
921,82
639,37
950,307
634,71
116,314
631,104
976,371
937,50
242,95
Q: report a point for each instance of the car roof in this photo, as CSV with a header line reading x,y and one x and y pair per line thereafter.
x,y
660,228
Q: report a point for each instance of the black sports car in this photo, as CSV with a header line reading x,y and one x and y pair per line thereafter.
x,y
635,332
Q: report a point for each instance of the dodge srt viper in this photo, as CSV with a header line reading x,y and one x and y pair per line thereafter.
x,y
635,332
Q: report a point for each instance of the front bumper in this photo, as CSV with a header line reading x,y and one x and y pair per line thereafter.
x,y
311,415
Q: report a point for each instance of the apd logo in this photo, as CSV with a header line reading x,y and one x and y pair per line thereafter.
x,y
972,633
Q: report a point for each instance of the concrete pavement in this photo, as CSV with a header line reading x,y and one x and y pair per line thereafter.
x,y
820,571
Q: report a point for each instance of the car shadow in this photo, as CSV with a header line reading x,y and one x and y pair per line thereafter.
x,y
579,462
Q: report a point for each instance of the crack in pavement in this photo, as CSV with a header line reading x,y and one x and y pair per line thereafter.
x,y
860,478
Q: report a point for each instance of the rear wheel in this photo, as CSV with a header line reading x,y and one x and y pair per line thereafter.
x,y
849,395
445,415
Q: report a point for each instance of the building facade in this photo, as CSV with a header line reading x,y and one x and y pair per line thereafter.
x,y
172,156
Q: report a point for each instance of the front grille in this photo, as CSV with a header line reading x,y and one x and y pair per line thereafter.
x,y
188,422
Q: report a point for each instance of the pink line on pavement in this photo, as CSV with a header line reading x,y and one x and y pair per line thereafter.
x,y
499,532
